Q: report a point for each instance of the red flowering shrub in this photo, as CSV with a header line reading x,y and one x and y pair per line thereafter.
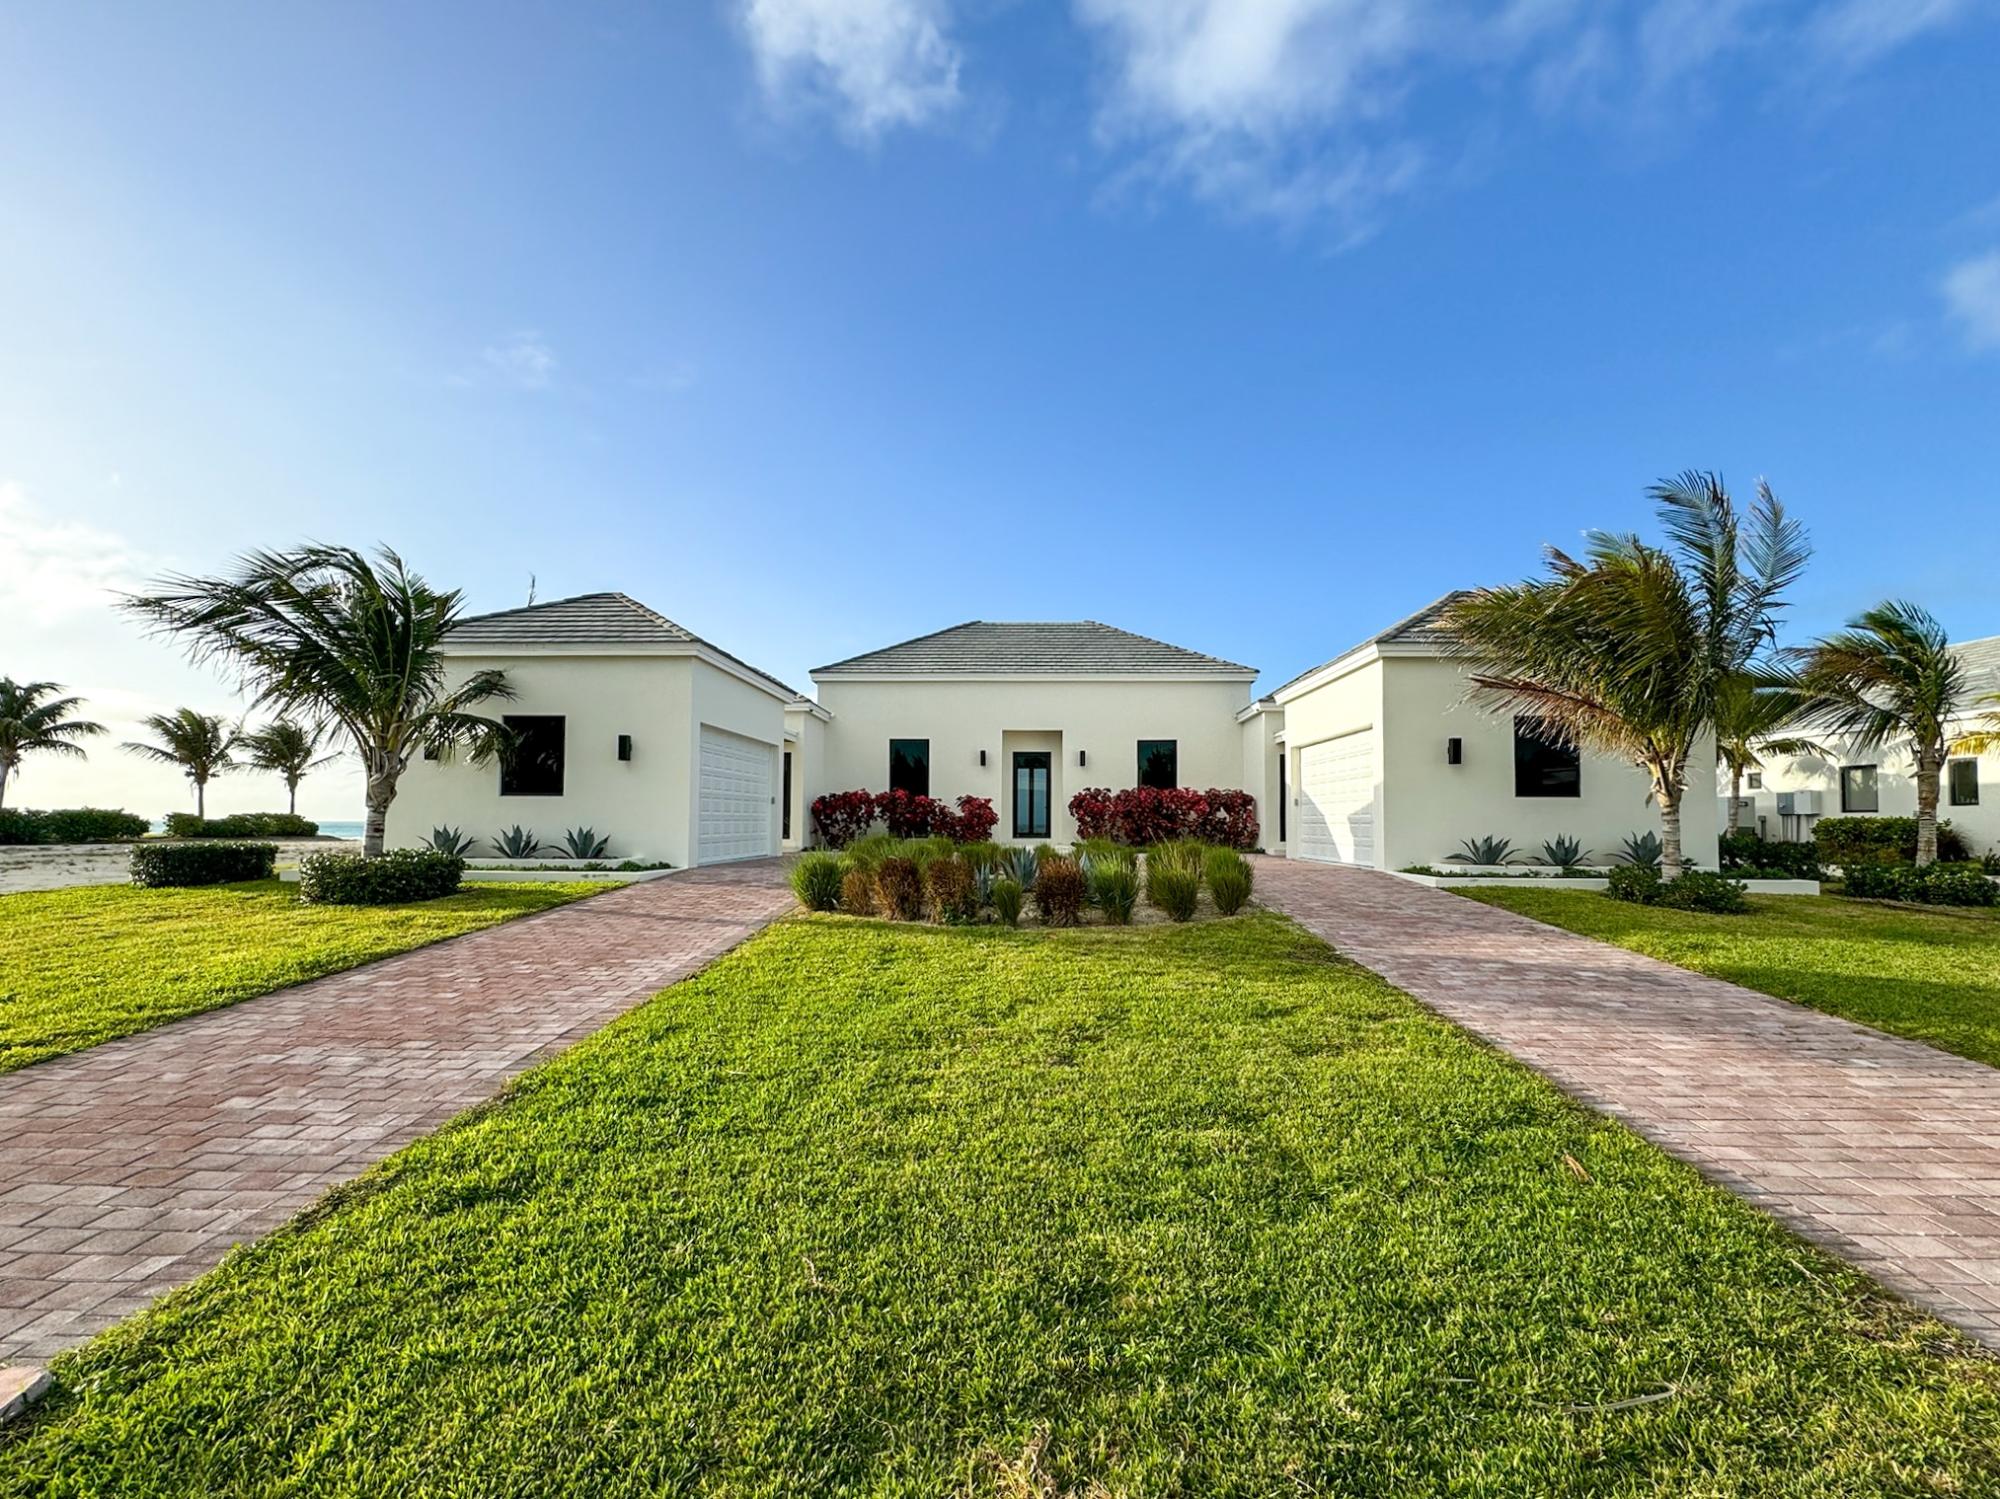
x,y
975,821
840,817
1096,813
908,816
1231,819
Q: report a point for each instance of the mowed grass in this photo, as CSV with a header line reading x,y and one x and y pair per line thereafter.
x,y
1929,973
85,965
877,1210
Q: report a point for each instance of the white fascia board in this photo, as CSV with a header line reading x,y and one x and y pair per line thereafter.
x,y
1333,671
938,677
1246,714
809,707
749,674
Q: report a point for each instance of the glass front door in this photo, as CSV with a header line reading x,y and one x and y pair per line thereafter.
x,y
1031,793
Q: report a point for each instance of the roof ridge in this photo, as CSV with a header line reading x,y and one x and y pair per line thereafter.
x,y
1029,647
1381,637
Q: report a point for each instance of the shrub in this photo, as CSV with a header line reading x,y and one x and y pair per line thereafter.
x,y
1230,879
857,890
1990,862
1635,882
583,843
1149,814
1143,815
1165,858
160,865
899,888
1112,880
953,899
1175,889
449,840
1059,891
840,817
982,854
1095,813
924,852
1231,819
1007,901
976,820
70,825
907,816
1742,853
1848,841
866,853
517,843
241,825
1695,890
404,874
1958,884
816,881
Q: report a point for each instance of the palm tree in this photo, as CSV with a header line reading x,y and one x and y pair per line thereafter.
x,y
336,643
1890,676
201,744
33,719
289,750
1630,651
1750,714
1984,737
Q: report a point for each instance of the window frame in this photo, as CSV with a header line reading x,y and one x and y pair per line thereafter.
x,y
1526,732
896,753
1951,766
1874,789
510,766
1149,748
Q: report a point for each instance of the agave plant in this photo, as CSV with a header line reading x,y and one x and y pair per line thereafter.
x,y
583,843
983,876
1640,849
1563,851
517,843
1026,863
449,840
1485,850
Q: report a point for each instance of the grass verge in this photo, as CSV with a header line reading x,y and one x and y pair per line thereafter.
x,y
88,964
1929,973
883,1210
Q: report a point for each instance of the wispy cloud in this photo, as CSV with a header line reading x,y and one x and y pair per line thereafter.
x,y
1855,33
522,359
1972,293
874,65
59,570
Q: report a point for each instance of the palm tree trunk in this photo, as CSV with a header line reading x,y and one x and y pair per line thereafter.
x,y
381,791
1735,798
3,783
292,787
201,797
1927,804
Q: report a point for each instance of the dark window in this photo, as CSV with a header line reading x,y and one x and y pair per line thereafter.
x,y
1543,764
1964,776
910,766
1031,794
1858,791
1755,780
1159,763
1284,795
533,763
785,818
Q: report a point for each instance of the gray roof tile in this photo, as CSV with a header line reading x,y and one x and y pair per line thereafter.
x,y
1054,648
1425,627
585,620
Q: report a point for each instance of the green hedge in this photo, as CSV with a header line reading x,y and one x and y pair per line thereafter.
x,y
1695,890
402,875
70,825
1932,885
241,825
1747,856
217,863
1849,841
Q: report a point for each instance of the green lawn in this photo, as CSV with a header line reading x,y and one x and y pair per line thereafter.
x,y
84,965
875,1210
1932,974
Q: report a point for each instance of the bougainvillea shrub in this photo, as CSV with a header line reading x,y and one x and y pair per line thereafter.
x,y
1231,819
1096,812
1142,815
907,816
840,817
976,820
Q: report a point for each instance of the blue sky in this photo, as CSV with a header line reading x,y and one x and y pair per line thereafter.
x,y
1253,324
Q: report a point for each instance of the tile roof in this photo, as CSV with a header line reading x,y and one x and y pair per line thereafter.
x,y
588,619
1981,659
1425,627
1056,648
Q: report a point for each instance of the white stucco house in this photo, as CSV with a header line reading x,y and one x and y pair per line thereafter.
x,y
633,725
1788,797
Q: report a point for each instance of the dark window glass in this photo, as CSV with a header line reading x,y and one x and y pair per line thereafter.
x,y
1284,795
1755,780
1031,794
910,766
1543,764
1858,790
533,763
785,819
1159,763
1964,776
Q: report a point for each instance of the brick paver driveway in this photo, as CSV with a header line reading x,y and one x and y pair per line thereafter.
x,y
1883,1150
128,1169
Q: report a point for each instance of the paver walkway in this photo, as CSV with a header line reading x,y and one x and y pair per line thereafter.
x,y
128,1169
1883,1150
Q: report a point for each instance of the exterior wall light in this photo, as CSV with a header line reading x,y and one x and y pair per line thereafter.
x,y
1082,758
1454,751
982,759
624,746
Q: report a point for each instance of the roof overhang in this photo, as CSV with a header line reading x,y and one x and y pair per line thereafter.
x,y
664,650
937,677
806,707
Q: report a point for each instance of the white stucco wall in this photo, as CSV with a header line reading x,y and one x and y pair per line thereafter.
x,y
1896,785
805,736
1344,702
1103,719
1260,772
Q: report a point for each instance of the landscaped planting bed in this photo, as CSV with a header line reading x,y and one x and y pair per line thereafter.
x,y
901,1210
1930,973
85,965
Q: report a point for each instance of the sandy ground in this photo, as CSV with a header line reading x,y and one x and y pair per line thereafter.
x,y
58,866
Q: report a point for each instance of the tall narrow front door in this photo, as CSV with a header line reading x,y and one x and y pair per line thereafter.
x,y
1031,793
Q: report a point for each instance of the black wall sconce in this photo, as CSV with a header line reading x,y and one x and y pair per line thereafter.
x,y
982,759
624,746
1454,752
1082,758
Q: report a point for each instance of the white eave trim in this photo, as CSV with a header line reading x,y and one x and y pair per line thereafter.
x,y
1246,714
809,707
671,650
937,677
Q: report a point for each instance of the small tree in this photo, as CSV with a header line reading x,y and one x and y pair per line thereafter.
x,y
1751,714
201,744
33,720
341,645
1891,676
288,750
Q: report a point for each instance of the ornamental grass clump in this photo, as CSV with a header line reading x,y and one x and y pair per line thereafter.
x,y
1007,900
1113,883
899,889
953,898
1175,889
1059,891
857,890
1166,858
816,881
1230,878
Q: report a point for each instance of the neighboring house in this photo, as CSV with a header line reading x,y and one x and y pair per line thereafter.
x,y
636,727
1388,764
1786,799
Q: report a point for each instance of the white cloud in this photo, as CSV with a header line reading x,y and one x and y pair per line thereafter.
x,y
1856,32
1972,292
875,64
59,569
522,359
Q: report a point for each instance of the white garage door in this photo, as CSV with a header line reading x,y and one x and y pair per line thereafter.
x,y
734,798
1337,799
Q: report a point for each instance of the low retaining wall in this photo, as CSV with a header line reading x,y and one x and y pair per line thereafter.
x,y
1550,882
